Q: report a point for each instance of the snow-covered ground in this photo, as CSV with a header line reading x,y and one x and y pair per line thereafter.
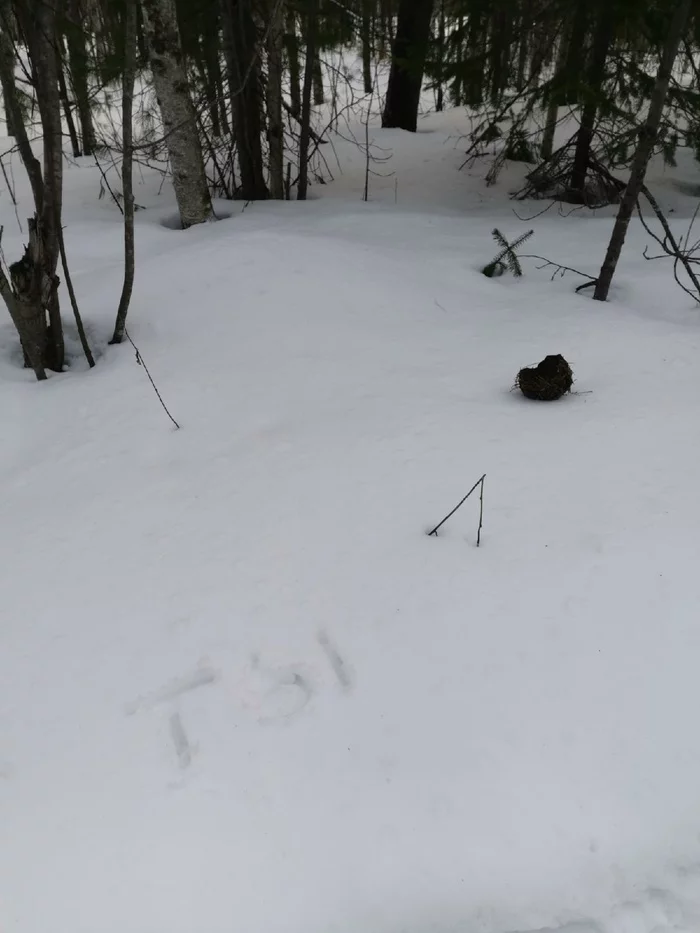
x,y
240,687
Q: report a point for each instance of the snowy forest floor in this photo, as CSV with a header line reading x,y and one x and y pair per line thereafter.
x,y
240,687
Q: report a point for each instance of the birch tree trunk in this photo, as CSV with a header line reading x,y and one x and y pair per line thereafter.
x,y
647,138
176,107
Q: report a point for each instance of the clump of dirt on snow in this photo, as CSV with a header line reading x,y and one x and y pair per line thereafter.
x,y
547,381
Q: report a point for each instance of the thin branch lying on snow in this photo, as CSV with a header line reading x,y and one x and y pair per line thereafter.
x,y
560,270
479,482
140,361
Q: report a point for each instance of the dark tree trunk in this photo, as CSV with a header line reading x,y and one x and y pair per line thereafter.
x,y
366,39
79,70
221,98
211,98
596,74
40,29
523,48
67,111
456,93
211,68
550,125
319,95
275,126
408,53
440,100
128,78
291,43
305,134
647,138
246,99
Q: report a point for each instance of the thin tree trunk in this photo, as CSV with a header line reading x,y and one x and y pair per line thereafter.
x,y
457,95
214,82
366,38
275,126
128,78
440,102
319,94
177,110
523,49
39,26
74,303
596,75
27,309
291,42
408,54
305,134
211,99
246,100
79,71
67,112
550,124
221,98
14,109
647,138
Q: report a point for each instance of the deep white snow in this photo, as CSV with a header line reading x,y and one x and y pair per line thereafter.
x,y
240,688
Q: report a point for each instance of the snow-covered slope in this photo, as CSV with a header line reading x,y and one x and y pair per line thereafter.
x,y
242,689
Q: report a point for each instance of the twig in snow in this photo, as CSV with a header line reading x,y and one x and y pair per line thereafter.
x,y
107,185
561,270
335,660
182,745
479,482
481,512
140,361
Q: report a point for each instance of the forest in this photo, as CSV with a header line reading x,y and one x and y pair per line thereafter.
x,y
230,99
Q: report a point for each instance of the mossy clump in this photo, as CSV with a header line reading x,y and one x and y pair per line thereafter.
x,y
547,381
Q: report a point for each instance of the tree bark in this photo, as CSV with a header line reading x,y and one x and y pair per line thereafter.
x,y
408,53
176,107
39,24
647,138
67,111
246,101
291,42
79,71
275,126
596,75
305,134
550,124
27,310
319,93
366,38
128,78
441,56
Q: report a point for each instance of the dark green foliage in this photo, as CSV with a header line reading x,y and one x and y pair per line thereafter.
x,y
519,147
506,259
